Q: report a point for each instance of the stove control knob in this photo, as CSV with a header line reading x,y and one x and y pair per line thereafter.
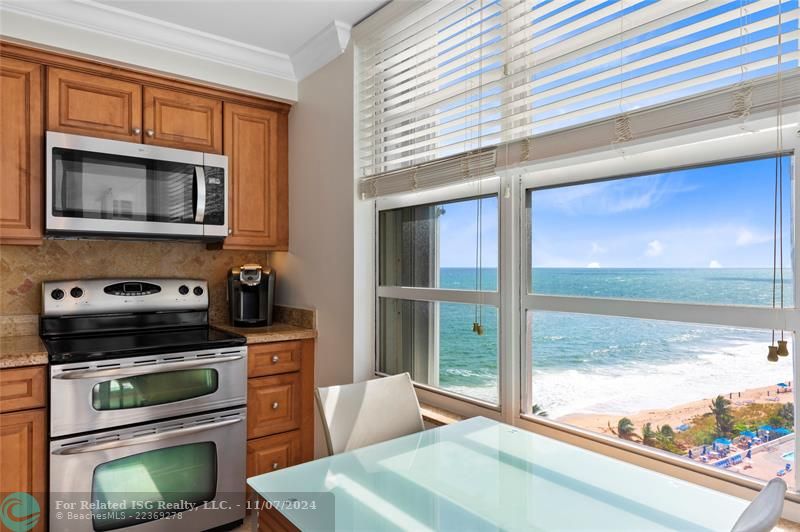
x,y
183,289
76,292
198,290
57,294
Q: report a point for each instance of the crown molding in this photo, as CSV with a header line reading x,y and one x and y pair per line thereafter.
x,y
321,49
110,21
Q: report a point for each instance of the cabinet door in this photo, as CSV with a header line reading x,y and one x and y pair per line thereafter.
x,y
179,120
273,404
21,143
23,388
272,453
23,456
256,146
92,105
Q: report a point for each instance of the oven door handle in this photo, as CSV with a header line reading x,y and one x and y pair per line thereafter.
x,y
148,438
146,369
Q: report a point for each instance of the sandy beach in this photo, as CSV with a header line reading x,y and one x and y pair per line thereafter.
x,y
676,415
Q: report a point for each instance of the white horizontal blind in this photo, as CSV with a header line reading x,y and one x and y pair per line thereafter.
x,y
470,74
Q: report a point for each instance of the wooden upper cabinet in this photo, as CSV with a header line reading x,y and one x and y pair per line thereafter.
x,y
180,120
93,105
257,150
21,152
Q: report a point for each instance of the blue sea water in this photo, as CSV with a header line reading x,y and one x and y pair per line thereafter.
x,y
584,363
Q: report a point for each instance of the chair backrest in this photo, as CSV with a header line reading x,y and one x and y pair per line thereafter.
x,y
764,512
360,414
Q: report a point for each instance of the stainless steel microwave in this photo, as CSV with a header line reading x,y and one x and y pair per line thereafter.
x,y
108,188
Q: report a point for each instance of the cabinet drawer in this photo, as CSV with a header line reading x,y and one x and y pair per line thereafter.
x,y
271,359
22,388
179,120
273,404
92,105
273,452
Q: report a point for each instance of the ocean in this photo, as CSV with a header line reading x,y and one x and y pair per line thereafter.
x,y
599,364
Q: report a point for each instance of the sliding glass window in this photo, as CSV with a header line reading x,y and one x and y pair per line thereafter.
x,y
437,294
649,312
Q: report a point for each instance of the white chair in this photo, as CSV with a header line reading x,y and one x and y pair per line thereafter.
x,y
764,512
360,414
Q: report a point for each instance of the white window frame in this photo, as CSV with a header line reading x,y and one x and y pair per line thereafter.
x,y
428,393
710,141
708,145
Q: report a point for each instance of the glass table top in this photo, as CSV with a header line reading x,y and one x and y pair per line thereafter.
x,y
483,475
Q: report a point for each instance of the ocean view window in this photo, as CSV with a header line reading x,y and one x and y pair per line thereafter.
x,y
699,235
437,295
649,312
659,383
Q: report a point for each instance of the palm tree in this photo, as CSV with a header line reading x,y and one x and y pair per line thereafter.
x,y
648,435
721,408
537,410
786,413
625,429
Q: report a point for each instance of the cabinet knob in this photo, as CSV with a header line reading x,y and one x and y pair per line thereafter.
x,y
230,231
137,131
275,465
275,359
150,132
275,405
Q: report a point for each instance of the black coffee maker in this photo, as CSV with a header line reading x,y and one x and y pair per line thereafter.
x,y
251,291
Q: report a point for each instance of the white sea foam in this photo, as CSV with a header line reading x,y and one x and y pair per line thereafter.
x,y
632,388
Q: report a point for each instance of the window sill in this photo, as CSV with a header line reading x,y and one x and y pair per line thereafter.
x,y
438,416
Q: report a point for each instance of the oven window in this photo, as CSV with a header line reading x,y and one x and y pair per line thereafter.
x,y
154,389
157,482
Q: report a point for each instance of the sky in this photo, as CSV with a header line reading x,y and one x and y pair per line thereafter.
x,y
718,216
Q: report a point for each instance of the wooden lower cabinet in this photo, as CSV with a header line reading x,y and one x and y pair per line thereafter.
x,y
23,388
271,520
273,404
23,455
272,453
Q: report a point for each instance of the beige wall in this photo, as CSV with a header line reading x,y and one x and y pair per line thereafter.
x,y
317,271
23,268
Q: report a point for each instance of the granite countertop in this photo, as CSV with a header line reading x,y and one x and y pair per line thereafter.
x,y
277,332
20,351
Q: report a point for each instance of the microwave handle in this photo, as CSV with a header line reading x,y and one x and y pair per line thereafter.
x,y
148,438
200,186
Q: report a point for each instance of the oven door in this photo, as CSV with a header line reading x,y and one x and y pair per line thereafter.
x,y
111,393
100,186
184,474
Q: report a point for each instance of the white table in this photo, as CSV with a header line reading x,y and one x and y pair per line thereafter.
x,y
483,475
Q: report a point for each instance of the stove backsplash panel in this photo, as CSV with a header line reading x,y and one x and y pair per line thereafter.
x,y
23,268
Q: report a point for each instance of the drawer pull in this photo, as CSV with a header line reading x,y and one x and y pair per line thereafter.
x,y
275,359
275,405
274,465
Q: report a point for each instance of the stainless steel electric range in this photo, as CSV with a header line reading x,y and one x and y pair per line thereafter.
x,y
147,407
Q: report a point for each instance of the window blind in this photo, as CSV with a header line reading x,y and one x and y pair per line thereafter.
x,y
456,77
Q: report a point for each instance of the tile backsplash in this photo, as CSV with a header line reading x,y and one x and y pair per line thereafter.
x,y
23,268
